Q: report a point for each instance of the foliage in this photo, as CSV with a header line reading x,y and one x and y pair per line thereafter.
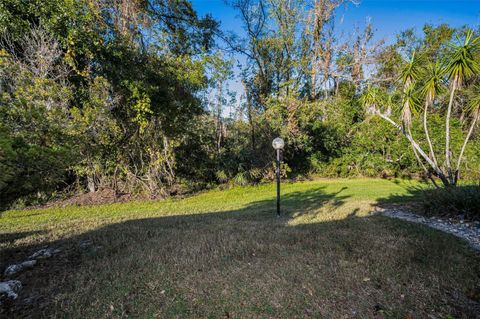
x,y
134,96
457,67
463,201
80,86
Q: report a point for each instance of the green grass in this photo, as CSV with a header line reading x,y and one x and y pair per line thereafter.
x,y
224,254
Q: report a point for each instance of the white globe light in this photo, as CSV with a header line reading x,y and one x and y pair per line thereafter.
x,y
278,143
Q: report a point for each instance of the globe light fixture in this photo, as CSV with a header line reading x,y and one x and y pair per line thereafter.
x,y
278,144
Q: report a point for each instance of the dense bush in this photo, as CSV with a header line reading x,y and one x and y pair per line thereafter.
x,y
463,201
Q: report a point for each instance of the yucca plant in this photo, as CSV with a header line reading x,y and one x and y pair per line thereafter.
x,y
461,66
473,111
410,73
434,86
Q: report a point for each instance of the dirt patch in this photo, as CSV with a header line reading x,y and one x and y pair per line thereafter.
x,y
110,196
105,196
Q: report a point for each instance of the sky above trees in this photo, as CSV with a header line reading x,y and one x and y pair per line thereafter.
x,y
388,17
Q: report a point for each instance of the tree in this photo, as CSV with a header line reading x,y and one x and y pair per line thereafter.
x,y
473,111
460,66
433,86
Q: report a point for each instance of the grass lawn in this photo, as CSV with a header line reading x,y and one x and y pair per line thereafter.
x,y
224,254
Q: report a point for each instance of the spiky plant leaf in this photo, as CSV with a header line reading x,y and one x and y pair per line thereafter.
x,y
434,83
410,105
461,60
473,107
372,98
411,70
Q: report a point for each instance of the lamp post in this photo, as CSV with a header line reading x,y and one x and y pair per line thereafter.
x,y
278,145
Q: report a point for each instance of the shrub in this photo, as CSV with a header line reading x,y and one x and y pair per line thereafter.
x,y
461,201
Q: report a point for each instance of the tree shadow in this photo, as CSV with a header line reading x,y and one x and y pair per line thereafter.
x,y
410,200
11,237
292,204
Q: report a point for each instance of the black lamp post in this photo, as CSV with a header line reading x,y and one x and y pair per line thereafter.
x,y
278,145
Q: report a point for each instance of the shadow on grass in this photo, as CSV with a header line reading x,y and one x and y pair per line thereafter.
x,y
293,203
11,237
197,257
412,198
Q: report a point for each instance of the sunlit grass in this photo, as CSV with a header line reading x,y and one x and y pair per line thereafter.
x,y
368,190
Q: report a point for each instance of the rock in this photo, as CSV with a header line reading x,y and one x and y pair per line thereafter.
x,y
86,244
10,289
465,230
44,253
13,269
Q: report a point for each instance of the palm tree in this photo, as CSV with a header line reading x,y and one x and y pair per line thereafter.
x,y
461,66
411,71
433,86
409,106
375,97
473,110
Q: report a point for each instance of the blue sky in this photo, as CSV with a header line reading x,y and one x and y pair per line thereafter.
x,y
389,17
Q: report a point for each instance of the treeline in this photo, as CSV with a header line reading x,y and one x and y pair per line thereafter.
x,y
134,96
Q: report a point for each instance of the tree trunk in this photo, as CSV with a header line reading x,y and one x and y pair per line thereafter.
x,y
218,116
427,134
435,167
313,81
470,131
250,114
91,183
416,154
447,131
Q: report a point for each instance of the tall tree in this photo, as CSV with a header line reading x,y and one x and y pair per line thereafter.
x,y
461,66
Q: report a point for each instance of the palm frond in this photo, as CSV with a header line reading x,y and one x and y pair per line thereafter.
x,y
372,98
434,83
461,61
473,105
411,70
410,105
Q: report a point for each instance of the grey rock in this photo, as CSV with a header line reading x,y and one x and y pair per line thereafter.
x,y
10,289
86,244
13,269
44,253
470,232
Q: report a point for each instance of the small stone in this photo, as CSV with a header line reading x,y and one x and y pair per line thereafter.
x,y
10,289
44,253
13,269
86,244
470,231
